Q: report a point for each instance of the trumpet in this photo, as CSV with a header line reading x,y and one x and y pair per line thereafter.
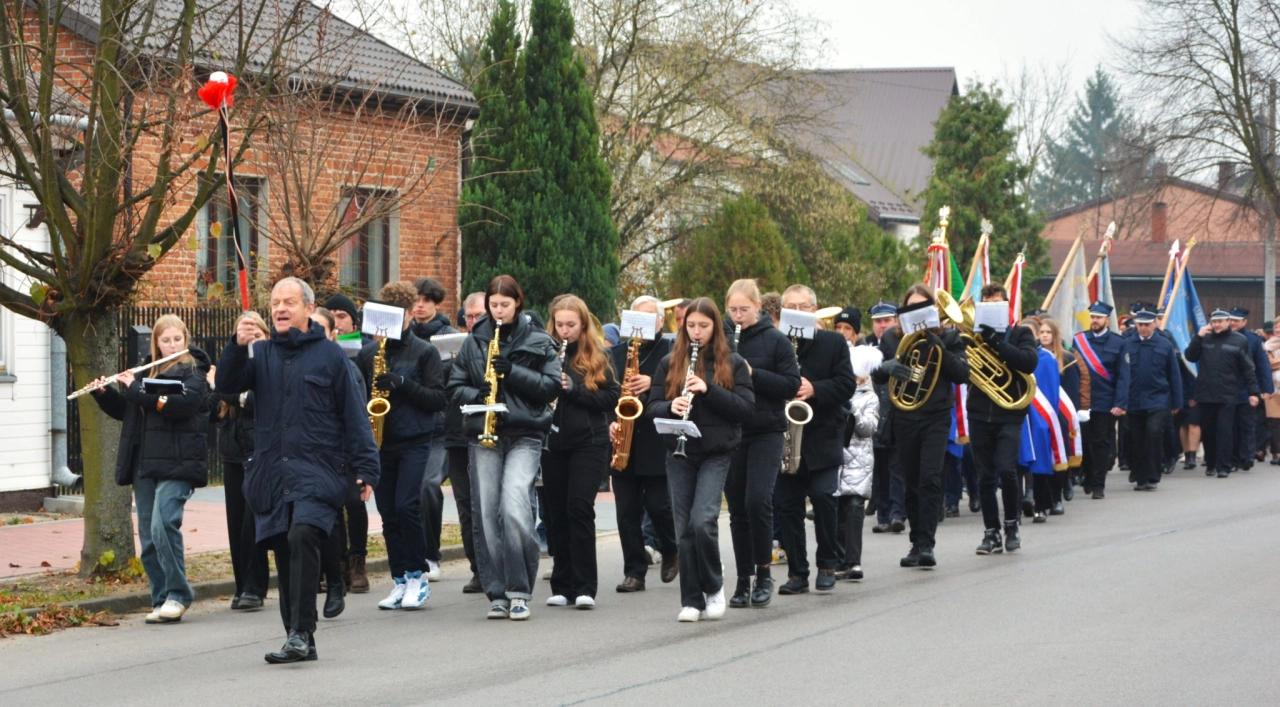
x,y
112,379
687,395
378,405
924,360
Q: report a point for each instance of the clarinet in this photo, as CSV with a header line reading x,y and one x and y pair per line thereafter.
x,y
546,441
737,333
687,395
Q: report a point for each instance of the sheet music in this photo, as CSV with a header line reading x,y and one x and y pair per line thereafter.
x,y
382,320
923,318
992,314
795,323
477,409
641,325
675,427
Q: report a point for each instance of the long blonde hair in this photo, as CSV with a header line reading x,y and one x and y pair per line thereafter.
x,y
163,324
591,361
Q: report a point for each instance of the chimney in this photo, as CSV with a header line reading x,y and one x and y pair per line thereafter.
x,y
1226,177
1159,222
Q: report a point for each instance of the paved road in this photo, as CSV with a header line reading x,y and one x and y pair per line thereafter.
x,y
1154,598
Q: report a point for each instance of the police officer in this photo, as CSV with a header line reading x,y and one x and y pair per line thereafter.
x,y
1104,354
888,490
1247,422
1225,366
1155,392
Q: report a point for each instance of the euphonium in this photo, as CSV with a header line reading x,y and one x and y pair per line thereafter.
x,y
489,438
1010,389
798,414
687,395
628,410
924,360
378,406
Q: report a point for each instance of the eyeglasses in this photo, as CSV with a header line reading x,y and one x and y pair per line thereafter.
x,y
740,310
802,307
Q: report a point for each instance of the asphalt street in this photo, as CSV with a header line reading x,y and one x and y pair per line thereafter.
x,y
1162,598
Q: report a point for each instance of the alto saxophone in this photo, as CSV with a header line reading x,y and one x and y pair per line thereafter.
x,y
378,406
687,395
798,414
489,438
628,410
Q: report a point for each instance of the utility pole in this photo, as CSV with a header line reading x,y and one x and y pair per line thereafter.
x,y
1269,244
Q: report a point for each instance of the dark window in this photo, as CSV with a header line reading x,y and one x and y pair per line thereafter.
x,y
216,257
364,260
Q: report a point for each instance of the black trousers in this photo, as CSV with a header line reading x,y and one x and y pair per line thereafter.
x,y
356,532
995,454
852,516
922,444
1122,442
1146,444
634,496
887,487
570,482
753,473
248,560
1042,491
298,566
820,486
1244,433
1102,448
1217,420
460,482
399,498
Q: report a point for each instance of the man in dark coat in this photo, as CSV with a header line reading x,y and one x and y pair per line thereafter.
x,y
888,489
1250,418
296,483
1225,366
1103,353
1155,392
827,383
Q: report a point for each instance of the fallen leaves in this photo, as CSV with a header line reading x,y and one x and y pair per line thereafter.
x,y
51,619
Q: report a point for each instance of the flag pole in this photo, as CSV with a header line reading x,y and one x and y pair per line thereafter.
x,y
1177,280
1168,270
973,268
1062,271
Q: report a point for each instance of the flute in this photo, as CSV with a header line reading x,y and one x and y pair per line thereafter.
x,y
112,379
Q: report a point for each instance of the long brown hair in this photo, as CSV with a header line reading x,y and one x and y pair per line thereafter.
x,y
1056,349
718,345
163,324
506,286
590,360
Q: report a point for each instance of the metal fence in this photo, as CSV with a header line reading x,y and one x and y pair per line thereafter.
x,y
210,328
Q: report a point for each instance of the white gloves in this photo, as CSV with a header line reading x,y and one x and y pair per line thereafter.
x,y
1082,416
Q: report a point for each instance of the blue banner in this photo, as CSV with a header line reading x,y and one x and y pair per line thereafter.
x,y
1185,315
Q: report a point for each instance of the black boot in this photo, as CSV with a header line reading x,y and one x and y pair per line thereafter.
x,y
991,542
795,585
926,557
912,559
298,647
1189,461
975,503
1011,540
333,602
741,598
763,592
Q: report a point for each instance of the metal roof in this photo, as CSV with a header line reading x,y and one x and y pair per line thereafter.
x,y
321,47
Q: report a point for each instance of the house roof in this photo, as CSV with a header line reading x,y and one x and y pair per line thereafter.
x,y
324,46
1144,259
1174,182
871,128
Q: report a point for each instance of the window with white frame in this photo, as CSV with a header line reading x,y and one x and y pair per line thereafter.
x,y
365,261
215,252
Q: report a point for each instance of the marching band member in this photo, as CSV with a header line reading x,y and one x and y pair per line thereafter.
x,y
995,434
921,435
501,476
1155,392
577,452
641,487
716,394
826,384
414,384
888,490
1103,353
455,442
754,465
429,321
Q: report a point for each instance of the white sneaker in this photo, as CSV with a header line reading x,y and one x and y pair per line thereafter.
x,y
652,555
498,611
169,612
715,604
688,615
396,597
433,571
416,591
584,602
519,609
153,617
557,600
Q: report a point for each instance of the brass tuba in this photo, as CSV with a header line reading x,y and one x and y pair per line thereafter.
x,y
628,410
1010,389
924,360
378,406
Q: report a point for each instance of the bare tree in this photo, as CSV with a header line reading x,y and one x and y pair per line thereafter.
x,y
1040,97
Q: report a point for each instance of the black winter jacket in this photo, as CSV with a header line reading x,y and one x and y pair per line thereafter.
x,y
1020,349
648,448
415,402
719,413
235,431
775,374
824,361
534,380
955,369
170,444
581,415
1225,367
883,438
426,330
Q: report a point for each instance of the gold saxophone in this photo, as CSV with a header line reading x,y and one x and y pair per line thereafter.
x,y
378,406
628,410
798,414
489,438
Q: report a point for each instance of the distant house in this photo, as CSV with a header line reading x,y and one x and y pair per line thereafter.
x,y
872,125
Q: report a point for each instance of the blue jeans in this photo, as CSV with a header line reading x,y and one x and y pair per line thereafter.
x,y
160,505
697,485
502,516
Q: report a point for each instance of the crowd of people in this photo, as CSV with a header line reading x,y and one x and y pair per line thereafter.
x,y
519,415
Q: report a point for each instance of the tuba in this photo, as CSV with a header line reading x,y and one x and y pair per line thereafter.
x,y
1010,389
489,438
924,360
628,410
378,406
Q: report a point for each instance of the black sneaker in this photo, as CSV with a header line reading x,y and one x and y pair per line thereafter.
x,y
953,511
826,580
795,585
763,591
912,559
854,573
1189,463
1057,509
991,543
1124,466
880,528
1209,471
1040,517
741,598
926,557
1141,487
1011,539
897,525
1223,473
1098,493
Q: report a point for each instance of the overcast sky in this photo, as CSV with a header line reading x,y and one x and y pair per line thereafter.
x,y
978,37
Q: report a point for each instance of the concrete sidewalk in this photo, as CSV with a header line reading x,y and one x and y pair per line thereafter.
x,y
24,549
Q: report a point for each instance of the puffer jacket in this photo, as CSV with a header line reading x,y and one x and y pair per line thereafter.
x,y
235,431
534,380
860,455
416,402
171,444
581,415
775,373
719,413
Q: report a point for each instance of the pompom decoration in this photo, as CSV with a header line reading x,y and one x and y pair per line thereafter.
x,y
219,88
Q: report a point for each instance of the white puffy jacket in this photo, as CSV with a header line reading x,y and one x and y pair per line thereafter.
x,y
859,456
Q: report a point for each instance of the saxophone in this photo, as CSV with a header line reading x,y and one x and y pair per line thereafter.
x,y
489,438
378,406
628,410
798,414
687,395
